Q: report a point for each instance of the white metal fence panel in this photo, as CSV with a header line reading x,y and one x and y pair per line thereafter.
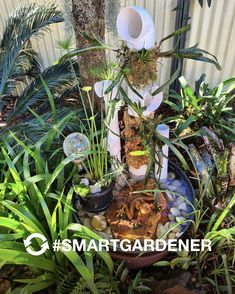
x,y
214,29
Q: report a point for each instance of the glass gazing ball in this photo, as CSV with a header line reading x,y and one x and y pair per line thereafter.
x,y
76,143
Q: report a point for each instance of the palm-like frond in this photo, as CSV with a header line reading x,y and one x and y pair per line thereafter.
x,y
26,22
58,78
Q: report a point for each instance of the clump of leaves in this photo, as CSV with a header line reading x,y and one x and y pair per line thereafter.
x,y
140,67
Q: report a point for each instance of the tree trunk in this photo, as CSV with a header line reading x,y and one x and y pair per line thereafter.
x,y
89,17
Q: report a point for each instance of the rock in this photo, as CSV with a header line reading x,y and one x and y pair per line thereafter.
x,y
175,211
179,234
185,214
170,197
180,219
181,191
81,212
177,183
115,193
99,222
85,182
94,189
171,217
132,181
171,175
122,180
171,235
87,223
179,200
118,187
183,206
171,188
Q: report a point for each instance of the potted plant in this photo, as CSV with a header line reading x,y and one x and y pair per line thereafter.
x,y
97,169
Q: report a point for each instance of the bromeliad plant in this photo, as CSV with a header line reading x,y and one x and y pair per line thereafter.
x,y
205,107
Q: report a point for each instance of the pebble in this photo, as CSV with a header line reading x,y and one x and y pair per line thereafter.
x,y
179,234
179,201
171,235
171,217
122,180
175,211
132,181
81,212
183,206
118,187
94,189
180,219
177,183
87,223
99,222
181,191
171,188
171,175
84,181
115,193
170,196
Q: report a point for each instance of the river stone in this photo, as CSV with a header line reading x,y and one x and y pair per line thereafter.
x,y
179,201
115,193
171,175
170,196
94,189
84,181
175,211
171,235
118,187
99,222
81,212
180,219
87,223
171,217
177,183
183,206
122,180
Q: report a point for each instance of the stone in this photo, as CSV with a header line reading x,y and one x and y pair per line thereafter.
x,y
132,181
175,211
81,212
171,217
99,222
115,193
181,191
179,234
180,219
118,187
183,206
87,223
171,175
177,183
171,235
179,201
171,188
94,189
84,181
122,180
170,197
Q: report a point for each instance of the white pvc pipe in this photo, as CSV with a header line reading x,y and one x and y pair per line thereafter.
x,y
161,172
136,27
114,143
150,102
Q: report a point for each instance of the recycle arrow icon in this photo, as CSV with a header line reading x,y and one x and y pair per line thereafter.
x,y
44,246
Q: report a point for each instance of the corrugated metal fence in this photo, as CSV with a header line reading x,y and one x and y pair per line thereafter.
x,y
213,28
